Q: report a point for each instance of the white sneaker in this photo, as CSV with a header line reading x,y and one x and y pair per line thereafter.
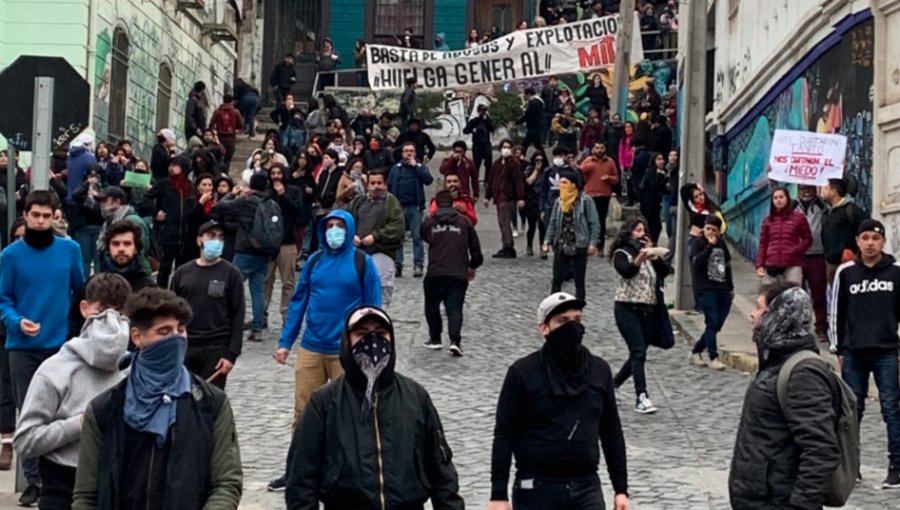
x,y
644,406
696,359
716,364
515,233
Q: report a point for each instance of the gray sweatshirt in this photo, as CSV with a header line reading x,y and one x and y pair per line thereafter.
x,y
64,385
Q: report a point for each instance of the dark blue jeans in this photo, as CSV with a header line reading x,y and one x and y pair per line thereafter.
x,y
249,106
884,367
413,216
715,304
253,268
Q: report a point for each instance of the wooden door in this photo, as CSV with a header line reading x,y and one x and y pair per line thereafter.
x,y
503,13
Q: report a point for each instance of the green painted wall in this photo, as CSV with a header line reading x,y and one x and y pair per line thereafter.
x,y
347,24
450,18
57,28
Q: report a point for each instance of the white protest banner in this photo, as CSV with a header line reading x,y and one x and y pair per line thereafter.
x,y
803,157
523,54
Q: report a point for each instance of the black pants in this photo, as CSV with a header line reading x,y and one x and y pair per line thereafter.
x,y
202,360
636,323
280,93
23,365
538,494
452,292
533,138
229,144
602,205
482,153
533,217
654,222
7,402
561,265
57,485
171,254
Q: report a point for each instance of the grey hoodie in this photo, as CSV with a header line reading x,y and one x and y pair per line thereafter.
x,y
64,385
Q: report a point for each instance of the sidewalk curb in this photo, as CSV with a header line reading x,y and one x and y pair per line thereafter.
x,y
690,328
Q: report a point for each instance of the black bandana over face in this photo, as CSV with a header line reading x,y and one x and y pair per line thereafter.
x,y
372,354
567,361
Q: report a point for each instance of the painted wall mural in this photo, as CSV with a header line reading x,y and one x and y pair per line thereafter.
x,y
834,95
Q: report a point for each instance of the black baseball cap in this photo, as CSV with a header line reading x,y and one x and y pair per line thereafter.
x,y
209,225
112,192
870,225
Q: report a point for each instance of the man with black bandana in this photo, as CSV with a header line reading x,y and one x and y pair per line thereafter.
x,y
554,405
39,278
401,458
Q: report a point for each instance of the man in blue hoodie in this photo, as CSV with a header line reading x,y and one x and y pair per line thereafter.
x,y
335,281
407,181
81,157
39,277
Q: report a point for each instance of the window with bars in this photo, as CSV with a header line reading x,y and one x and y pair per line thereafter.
x,y
163,96
392,17
118,86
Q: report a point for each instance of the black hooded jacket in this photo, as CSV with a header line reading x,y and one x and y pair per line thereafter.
x,y
865,310
784,459
349,462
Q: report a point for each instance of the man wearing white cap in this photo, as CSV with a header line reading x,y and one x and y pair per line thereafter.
x,y
81,157
554,405
162,153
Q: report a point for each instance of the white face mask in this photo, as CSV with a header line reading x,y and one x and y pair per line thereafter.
x,y
505,152
558,161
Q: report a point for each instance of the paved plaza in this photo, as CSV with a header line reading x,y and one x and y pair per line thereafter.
x,y
678,458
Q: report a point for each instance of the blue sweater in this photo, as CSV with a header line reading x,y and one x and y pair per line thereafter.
x,y
328,292
39,285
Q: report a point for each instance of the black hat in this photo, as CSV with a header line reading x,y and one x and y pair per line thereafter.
x,y
209,225
112,192
870,226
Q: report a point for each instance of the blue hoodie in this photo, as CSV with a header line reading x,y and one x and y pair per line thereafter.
x,y
79,162
330,293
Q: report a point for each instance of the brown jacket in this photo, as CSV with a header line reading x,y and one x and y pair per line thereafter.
x,y
594,169
507,181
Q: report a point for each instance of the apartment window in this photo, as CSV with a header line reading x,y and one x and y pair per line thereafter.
x,y
163,96
392,17
118,85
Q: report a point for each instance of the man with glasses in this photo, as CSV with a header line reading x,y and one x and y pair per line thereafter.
x,y
407,181
458,164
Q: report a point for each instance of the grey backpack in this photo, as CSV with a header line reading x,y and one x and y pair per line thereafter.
x,y
846,426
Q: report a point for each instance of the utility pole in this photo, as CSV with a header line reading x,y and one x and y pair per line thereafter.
x,y
622,68
692,118
43,132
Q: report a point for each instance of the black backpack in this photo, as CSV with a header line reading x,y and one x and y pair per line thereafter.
x,y
268,227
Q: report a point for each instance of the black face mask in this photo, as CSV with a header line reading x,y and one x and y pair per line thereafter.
x,y
563,343
39,239
372,355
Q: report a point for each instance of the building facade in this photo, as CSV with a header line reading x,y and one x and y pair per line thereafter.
x,y
141,57
803,65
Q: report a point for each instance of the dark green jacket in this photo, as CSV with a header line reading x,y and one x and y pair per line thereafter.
x,y
204,429
389,230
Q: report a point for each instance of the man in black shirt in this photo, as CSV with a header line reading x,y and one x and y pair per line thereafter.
x,y
553,406
215,290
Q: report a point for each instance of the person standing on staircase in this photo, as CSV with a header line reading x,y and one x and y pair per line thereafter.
x,y
284,76
227,121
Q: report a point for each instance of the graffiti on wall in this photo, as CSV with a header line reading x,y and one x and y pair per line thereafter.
x,y
832,96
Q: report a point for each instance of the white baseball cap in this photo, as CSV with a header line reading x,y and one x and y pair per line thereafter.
x,y
554,301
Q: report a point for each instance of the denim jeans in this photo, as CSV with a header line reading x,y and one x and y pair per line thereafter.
x,y
86,237
22,366
637,325
855,372
715,304
413,216
669,214
249,106
254,267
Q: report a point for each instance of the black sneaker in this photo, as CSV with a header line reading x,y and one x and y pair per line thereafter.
x,y
254,336
30,496
543,255
434,345
417,272
398,271
277,484
505,253
893,479
455,350
529,251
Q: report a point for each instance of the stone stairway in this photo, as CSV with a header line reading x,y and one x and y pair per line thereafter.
x,y
245,146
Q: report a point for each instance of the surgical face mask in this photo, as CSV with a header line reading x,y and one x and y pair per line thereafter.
x,y
506,152
559,161
335,237
212,249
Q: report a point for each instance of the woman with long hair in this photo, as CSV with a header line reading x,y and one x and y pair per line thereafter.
x,y
784,238
653,188
638,304
473,39
532,209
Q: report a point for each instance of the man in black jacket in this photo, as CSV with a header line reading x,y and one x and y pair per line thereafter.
x,y
194,112
408,103
400,456
454,253
839,225
291,201
252,262
554,405
785,456
550,97
481,127
284,76
865,314
424,146
533,118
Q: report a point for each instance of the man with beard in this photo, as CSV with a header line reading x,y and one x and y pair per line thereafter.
x,y
114,209
554,405
39,278
788,449
461,202
406,446
464,169
123,244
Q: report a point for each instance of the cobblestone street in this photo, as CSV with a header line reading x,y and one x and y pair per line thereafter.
x,y
678,458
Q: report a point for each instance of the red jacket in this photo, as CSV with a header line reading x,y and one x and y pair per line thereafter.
x,y
783,239
227,121
465,168
464,205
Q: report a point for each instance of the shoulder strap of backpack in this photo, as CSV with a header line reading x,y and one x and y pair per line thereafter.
x,y
784,374
311,262
360,259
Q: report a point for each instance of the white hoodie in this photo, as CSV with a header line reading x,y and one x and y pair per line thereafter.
x,y
63,386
